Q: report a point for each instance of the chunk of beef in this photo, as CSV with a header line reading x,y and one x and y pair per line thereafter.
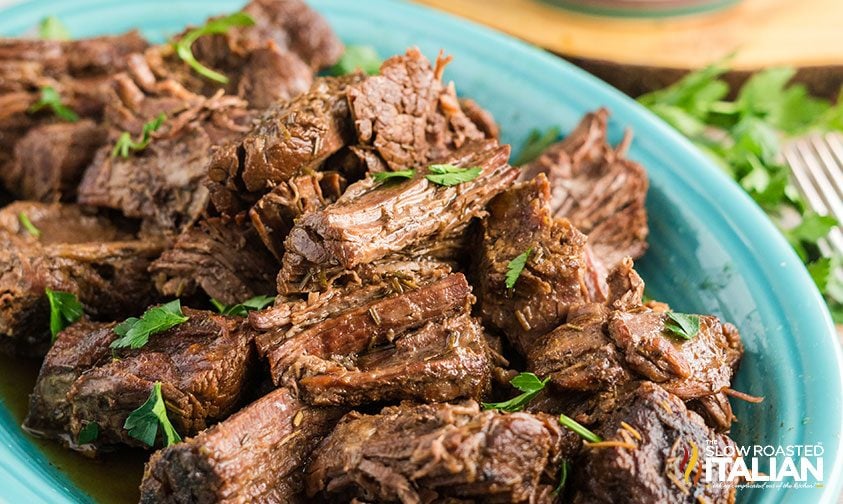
x,y
655,434
64,223
481,118
442,361
204,365
358,327
598,189
371,220
258,454
79,348
438,453
408,115
223,257
558,272
274,215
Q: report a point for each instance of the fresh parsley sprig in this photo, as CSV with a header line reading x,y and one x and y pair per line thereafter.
x,y
125,145
515,267
142,424
65,309
536,143
529,384
51,28
51,99
393,175
28,226
243,309
449,175
682,325
579,429
184,46
357,57
135,332
89,433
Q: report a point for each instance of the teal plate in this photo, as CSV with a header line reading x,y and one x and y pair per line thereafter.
x,y
712,250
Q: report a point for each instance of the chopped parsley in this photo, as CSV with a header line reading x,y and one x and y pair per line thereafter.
x,y
89,433
28,225
450,175
357,57
529,384
535,144
65,309
135,332
125,145
51,99
142,424
184,46
515,267
564,469
682,325
243,309
577,428
51,28
393,175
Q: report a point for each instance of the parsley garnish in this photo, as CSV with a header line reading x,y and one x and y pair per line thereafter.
x,y
51,28
214,27
535,144
51,99
125,145
355,58
65,309
143,423
28,225
391,175
682,325
577,428
515,267
450,175
563,476
89,433
243,309
135,332
529,384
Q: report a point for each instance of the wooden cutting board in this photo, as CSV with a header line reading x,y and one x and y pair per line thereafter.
x,y
639,54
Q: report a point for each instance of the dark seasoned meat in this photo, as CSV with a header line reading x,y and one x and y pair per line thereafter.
x,y
290,139
50,159
79,348
648,467
408,115
556,275
441,361
256,455
595,187
371,220
109,278
480,117
274,215
224,258
204,365
64,223
358,327
438,452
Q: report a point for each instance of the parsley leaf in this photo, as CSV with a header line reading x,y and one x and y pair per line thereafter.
x,y
535,144
51,28
65,309
28,225
51,99
577,428
391,175
242,309
515,267
89,433
135,332
450,175
125,145
812,228
221,25
357,57
682,325
529,384
564,469
143,423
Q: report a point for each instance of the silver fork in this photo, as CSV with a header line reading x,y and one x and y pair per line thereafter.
x,y
816,162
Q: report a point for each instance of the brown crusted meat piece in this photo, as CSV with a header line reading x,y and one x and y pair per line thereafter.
x,y
441,361
372,220
481,118
558,273
64,223
223,257
650,467
598,189
439,453
274,215
257,455
408,115
204,366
